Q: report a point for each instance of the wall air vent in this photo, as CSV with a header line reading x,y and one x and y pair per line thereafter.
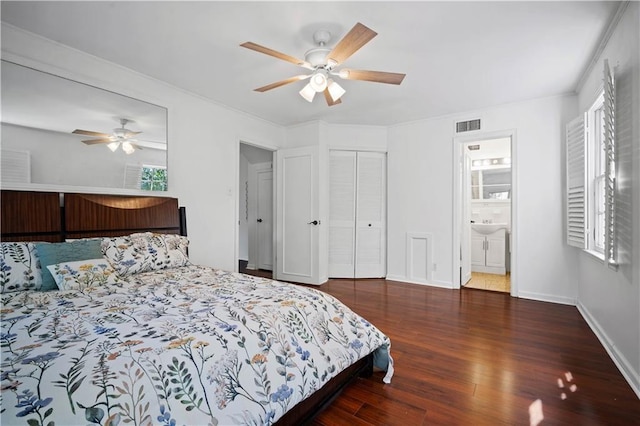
x,y
467,126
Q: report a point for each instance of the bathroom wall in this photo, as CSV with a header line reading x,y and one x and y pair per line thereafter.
x,y
494,212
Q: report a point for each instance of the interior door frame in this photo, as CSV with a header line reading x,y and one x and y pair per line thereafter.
x,y
265,147
458,142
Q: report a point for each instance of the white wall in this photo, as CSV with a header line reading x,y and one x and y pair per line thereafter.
x,y
420,194
203,139
610,300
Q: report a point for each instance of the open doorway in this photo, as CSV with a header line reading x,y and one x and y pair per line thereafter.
x,y
486,214
255,218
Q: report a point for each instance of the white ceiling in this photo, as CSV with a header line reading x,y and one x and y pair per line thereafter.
x,y
458,56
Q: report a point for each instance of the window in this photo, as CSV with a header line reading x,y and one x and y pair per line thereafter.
x,y
596,170
591,172
153,178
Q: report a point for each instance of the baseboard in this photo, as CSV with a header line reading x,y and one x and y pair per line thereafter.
x,y
542,297
632,376
433,283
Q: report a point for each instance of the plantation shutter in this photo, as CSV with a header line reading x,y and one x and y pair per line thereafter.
x,y
133,176
610,254
16,166
576,183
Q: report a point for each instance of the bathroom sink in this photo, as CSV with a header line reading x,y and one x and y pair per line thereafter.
x,y
488,228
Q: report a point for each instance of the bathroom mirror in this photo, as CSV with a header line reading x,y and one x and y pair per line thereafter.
x,y
59,132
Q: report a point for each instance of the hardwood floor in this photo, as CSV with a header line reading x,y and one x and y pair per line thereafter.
x,y
479,358
242,268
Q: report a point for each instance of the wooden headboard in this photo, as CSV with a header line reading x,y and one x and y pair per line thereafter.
x,y
31,216
53,216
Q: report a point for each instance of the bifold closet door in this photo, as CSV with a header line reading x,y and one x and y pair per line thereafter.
x,y
342,214
371,215
357,219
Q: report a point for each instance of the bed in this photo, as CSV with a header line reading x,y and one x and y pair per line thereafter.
x,y
136,334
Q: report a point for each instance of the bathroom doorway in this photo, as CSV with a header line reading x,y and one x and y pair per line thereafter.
x,y
485,200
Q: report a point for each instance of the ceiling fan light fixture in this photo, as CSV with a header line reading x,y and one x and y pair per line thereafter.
x,y
335,90
113,146
308,92
128,148
319,80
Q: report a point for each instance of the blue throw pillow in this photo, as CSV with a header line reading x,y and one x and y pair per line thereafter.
x,y
54,253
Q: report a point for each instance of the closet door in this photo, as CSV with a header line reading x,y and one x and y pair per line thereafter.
x,y
342,214
357,215
265,220
371,215
298,215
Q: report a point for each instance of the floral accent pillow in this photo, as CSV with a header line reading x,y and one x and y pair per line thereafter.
x,y
177,249
82,274
145,252
19,267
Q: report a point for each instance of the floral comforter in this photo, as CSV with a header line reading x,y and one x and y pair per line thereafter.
x,y
188,345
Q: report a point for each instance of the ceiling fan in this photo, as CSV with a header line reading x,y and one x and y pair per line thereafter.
x,y
323,61
120,136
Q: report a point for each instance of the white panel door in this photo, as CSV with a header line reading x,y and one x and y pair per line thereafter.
x,y
342,214
465,226
297,215
265,220
371,215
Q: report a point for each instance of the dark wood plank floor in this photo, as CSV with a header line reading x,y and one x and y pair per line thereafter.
x,y
474,357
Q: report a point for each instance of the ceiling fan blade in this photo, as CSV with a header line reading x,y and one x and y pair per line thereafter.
x,y
131,134
354,40
329,99
281,83
374,76
276,54
90,133
97,141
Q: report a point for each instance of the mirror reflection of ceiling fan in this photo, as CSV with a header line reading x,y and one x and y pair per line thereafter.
x,y
323,61
120,136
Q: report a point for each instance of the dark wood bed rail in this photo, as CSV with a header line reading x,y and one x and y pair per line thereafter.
x,y
54,216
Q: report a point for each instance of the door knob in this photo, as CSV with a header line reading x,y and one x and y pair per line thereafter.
x,y
315,222
259,220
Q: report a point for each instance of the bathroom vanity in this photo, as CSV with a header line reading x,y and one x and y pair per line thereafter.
x,y
489,248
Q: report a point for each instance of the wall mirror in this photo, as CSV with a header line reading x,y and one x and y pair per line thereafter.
x,y
59,132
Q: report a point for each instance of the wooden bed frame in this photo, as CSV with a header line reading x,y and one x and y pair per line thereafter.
x,y
55,217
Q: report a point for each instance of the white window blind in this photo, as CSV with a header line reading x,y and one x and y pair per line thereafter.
x,y
576,183
610,165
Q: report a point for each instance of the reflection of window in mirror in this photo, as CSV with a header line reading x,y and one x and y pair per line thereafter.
x,y
146,177
154,178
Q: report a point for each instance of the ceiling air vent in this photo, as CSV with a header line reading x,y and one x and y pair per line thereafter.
x,y
467,126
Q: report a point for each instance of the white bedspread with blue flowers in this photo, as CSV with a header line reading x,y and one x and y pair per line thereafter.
x,y
189,345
